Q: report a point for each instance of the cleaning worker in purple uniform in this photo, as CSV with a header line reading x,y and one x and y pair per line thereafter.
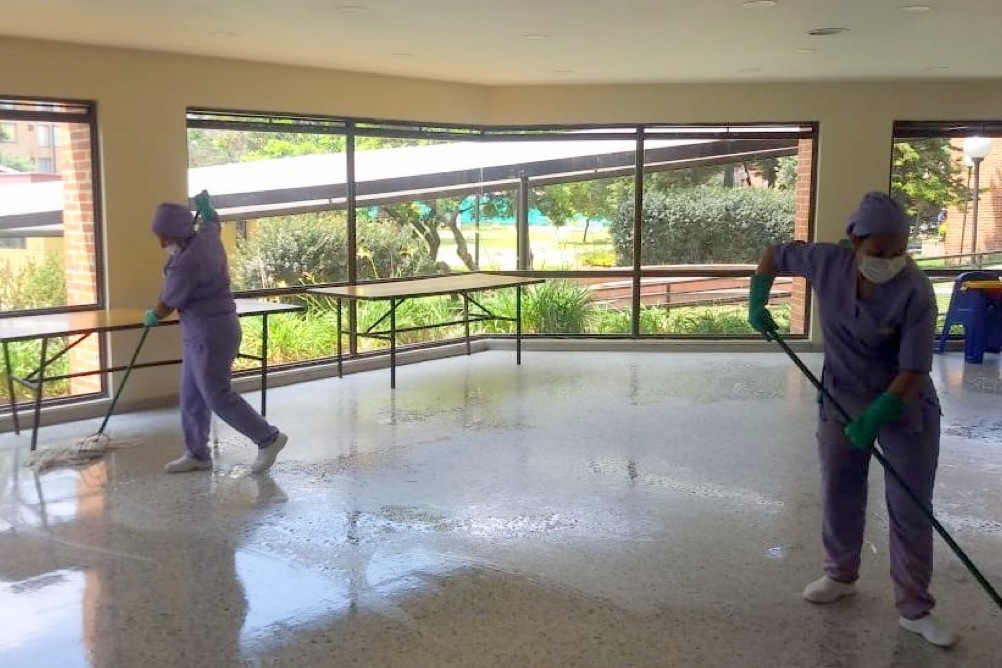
x,y
197,286
878,318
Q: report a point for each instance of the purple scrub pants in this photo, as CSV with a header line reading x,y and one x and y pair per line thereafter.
x,y
209,350
843,488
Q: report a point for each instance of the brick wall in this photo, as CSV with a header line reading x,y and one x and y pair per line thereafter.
x,y
79,243
801,232
989,208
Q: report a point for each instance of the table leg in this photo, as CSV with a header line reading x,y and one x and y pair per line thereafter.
x,y
518,324
466,320
10,388
39,387
340,346
393,343
264,364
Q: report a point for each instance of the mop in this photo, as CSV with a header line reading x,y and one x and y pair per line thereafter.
x,y
92,447
926,510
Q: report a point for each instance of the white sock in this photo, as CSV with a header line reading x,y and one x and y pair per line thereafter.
x,y
827,590
932,629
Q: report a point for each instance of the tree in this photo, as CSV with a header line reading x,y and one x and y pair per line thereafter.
x,y
589,200
925,178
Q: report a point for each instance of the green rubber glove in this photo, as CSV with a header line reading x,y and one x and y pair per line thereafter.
x,y
150,319
758,315
203,205
884,410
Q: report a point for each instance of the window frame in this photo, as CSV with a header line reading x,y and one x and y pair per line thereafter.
x,y
352,127
81,112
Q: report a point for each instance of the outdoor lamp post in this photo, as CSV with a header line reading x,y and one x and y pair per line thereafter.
x,y
969,164
976,149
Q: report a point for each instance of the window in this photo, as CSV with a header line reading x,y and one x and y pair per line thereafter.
x,y
13,243
44,134
8,133
704,227
313,200
50,227
945,174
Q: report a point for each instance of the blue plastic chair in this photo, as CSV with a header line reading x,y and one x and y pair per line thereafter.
x,y
979,315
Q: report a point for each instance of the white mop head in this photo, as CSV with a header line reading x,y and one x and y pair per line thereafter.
x,y
81,453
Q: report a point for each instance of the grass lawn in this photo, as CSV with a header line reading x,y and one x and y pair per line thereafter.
x,y
553,248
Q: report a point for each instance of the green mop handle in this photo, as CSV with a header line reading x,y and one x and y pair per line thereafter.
x,y
125,378
926,510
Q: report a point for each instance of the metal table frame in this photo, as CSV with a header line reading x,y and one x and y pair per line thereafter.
x,y
35,381
483,314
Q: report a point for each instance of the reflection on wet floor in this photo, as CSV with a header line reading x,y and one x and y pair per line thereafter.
x,y
642,509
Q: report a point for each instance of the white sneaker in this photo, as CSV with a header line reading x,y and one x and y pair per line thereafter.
x,y
186,464
827,590
266,456
931,629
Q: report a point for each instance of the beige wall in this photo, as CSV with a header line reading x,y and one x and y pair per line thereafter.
x,y
142,97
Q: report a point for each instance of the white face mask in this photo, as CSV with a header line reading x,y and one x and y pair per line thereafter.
x,y
172,249
878,269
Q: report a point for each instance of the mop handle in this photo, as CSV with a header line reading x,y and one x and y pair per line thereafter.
x,y
940,529
125,378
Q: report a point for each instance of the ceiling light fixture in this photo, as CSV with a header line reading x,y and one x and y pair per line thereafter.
x,y
563,71
402,54
826,32
916,8
759,4
350,9
749,70
535,37
937,68
807,50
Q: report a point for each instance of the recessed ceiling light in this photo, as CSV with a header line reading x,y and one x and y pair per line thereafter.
x,y
807,50
937,68
350,9
916,8
401,55
563,71
222,34
535,37
750,69
825,32
759,4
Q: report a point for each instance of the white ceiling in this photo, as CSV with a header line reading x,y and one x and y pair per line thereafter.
x,y
480,41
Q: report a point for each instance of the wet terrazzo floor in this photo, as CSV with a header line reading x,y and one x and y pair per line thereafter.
x,y
587,509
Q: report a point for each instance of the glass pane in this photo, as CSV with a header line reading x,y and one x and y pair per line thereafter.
x,y
720,215
434,207
936,184
282,199
48,232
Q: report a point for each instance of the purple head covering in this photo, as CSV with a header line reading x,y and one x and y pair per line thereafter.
x,y
878,214
174,221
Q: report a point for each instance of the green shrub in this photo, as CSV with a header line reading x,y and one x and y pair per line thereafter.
x,y
24,360
705,225
34,285
291,250
553,307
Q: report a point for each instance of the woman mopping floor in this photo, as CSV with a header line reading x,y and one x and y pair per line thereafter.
x,y
878,319
197,286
